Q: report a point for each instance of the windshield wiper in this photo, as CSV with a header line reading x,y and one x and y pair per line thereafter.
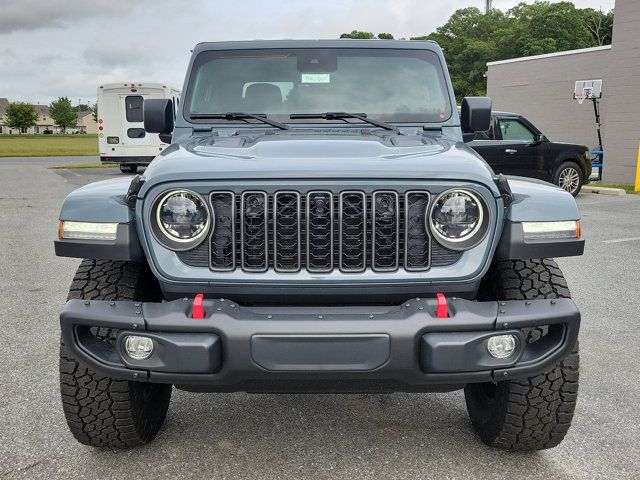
x,y
343,115
239,116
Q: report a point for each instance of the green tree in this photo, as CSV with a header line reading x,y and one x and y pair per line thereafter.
x,y
469,42
600,25
544,27
471,38
63,113
82,107
358,34
94,112
21,115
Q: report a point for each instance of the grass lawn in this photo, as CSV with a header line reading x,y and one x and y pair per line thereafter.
x,y
84,165
48,145
626,188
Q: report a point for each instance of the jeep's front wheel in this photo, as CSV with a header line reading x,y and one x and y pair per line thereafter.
x,y
102,411
531,413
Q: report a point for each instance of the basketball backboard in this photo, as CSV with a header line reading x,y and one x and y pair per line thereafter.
x,y
587,89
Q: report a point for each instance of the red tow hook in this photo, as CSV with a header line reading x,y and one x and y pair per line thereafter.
x,y
198,307
442,311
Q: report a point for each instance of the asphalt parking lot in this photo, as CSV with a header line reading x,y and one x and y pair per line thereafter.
x,y
307,436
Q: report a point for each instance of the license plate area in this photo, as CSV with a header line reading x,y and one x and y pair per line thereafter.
x,y
361,352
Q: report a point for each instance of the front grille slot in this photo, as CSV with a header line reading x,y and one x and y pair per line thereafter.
x,y
223,237
353,231
254,224
286,231
385,240
319,222
417,244
320,231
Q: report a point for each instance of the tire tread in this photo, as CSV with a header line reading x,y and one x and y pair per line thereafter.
x,y
531,413
101,411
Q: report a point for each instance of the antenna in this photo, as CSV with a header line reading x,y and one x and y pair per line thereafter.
x,y
488,6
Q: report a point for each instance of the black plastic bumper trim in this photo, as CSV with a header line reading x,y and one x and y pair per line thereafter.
x,y
449,352
176,352
245,364
320,352
127,160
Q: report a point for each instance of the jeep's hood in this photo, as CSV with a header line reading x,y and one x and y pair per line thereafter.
x,y
293,155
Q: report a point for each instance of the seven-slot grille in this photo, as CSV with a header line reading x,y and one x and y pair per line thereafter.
x,y
321,231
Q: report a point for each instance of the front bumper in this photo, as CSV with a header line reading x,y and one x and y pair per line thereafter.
x,y
325,349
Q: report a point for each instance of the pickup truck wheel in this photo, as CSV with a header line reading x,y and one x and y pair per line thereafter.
x,y
531,413
128,168
102,411
569,177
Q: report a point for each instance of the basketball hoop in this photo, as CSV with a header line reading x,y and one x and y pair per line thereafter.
x,y
587,89
592,90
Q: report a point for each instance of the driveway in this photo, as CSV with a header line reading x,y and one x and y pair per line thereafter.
x,y
240,435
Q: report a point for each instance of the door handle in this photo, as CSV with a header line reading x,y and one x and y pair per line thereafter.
x,y
511,151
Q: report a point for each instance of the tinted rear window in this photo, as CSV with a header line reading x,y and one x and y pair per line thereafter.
x,y
136,133
133,108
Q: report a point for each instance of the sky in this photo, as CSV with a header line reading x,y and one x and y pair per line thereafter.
x,y
53,48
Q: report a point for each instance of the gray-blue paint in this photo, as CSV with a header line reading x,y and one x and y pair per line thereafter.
x,y
241,157
102,201
472,265
305,155
536,201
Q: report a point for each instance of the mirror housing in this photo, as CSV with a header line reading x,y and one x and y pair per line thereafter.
x,y
158,117
475,114
540,138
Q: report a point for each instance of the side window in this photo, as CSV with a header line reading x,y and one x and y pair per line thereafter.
x,y
135,133
133,108
513,129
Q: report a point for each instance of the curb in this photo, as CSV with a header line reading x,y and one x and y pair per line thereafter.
x,y
603,190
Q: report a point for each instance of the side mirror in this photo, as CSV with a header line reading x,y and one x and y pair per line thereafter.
x,y
475,115
538,140
158,117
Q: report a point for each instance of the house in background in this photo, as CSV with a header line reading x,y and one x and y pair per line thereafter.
x,y
4,103
85,122
45,122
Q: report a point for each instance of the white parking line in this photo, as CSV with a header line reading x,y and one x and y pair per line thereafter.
x,y
72,173
622,240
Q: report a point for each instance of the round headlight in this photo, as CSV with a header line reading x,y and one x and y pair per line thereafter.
x,y
182,219
458,220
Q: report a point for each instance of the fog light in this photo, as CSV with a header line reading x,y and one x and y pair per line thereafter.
x,y
501,346
138,348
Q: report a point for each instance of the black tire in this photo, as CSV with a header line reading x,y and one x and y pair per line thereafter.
x,y
99,410
128,168
532,413
569,177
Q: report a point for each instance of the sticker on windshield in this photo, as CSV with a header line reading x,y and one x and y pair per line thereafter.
x,y
316,78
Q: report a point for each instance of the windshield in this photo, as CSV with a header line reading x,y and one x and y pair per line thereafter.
x,y
387,84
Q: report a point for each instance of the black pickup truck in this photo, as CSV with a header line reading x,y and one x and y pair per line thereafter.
x,y
514,146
